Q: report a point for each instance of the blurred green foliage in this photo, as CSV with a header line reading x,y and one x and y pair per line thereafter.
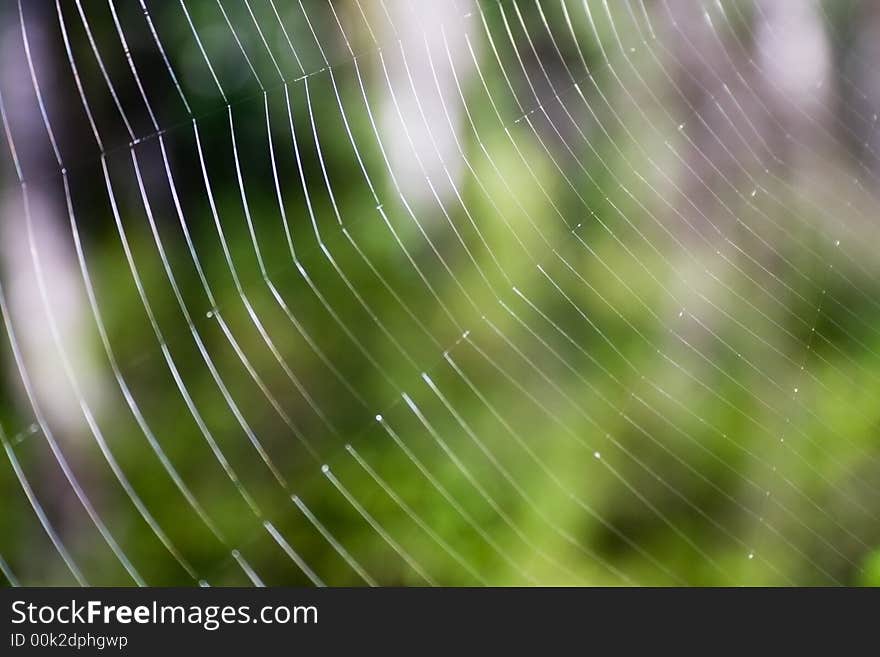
x,y
627,404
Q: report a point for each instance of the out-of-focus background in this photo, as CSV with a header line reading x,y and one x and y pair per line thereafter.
x,y
454,292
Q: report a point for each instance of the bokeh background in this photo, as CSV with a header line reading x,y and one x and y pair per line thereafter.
x,y
456,292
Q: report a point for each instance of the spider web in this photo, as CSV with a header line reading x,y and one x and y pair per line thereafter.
x,y
517,292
